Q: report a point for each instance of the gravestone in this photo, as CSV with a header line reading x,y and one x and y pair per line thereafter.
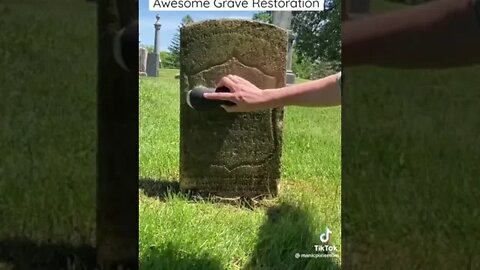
x,y
152,64
142,61
284,19
231,154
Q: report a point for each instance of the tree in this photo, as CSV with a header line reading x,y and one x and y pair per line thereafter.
x,y
187,20
174,47
264,16
149,48
318,33
166,60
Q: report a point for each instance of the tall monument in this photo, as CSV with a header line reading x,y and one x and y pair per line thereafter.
x,y
153,60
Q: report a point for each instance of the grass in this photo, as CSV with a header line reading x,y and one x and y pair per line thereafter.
x,y
410,165
47,116
410,161
178,233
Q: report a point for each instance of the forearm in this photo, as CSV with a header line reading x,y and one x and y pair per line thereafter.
x,y
319,93
442,33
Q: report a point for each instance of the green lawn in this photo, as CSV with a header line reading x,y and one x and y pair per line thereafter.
x,y
410,166
48,121
178,233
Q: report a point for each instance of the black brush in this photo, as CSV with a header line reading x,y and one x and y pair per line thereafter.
x,y
197,102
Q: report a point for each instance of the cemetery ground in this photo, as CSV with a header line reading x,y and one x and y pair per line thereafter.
x,y
180,232
418,140
48,132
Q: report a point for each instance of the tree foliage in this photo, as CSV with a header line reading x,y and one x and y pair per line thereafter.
x,y
149,48
308,69
264,16
317,34
167,60
174,47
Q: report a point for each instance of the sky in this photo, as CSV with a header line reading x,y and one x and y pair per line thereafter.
x,y
170,20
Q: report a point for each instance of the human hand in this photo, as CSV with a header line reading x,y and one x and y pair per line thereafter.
x,y
244,94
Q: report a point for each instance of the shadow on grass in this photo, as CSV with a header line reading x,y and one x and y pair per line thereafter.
x,y
287,231
22,254
161,189
171,257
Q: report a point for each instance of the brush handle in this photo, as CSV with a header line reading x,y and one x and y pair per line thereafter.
x,y
197,102
124,44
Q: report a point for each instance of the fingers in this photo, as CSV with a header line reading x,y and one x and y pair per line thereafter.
x,y
238,80
241,81
220,96
230,81
227,82
234,78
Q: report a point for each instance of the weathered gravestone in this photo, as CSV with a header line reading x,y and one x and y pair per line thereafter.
x,y
231,154
142,61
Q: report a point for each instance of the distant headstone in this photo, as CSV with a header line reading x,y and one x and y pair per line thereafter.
x,y
152,64
231,154
142,60
290,74
283,19
177,76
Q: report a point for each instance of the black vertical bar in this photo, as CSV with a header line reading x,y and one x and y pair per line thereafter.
x,y
117,157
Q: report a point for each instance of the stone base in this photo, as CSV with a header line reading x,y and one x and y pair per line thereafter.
x,y
142,74
236,187
291,78
152,65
